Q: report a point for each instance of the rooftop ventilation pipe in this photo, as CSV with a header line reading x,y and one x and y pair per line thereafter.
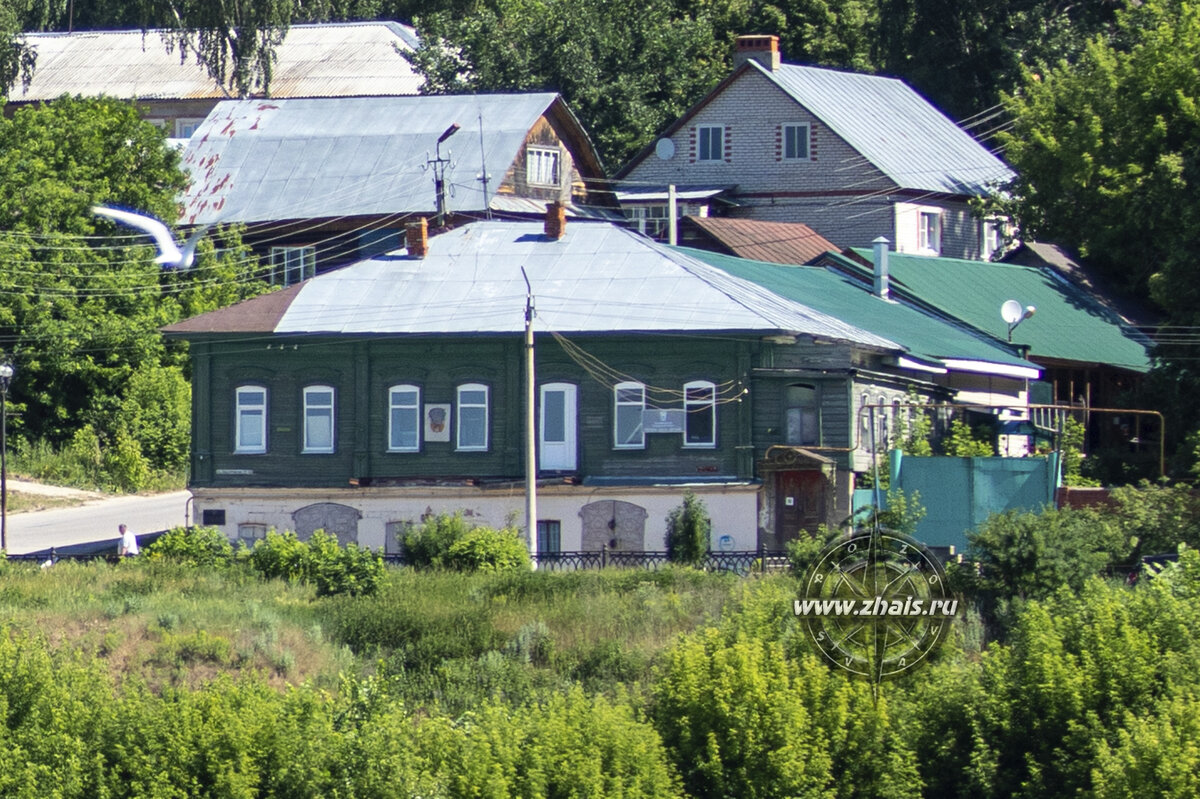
x,y
880,261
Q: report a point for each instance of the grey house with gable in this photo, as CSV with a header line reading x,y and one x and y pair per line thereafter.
x,y
852,156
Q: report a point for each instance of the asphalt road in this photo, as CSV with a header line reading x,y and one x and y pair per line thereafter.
x,y
96,520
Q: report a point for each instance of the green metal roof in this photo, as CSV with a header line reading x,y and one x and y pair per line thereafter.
x,y
1069,323
926,337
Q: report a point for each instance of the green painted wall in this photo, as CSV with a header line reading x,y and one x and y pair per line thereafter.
x,y
362,370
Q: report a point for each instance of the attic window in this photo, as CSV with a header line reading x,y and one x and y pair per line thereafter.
x,y
541,166
795,142
292,264
710,140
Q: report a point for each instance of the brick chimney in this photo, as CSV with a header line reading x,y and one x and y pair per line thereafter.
x,y
556,220
763,48
416,238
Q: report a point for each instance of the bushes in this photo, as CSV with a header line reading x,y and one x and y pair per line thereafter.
x,y
321,561
193,546
448,541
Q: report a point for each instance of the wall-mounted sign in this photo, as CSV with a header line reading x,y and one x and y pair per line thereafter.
x,y
664,420
437,422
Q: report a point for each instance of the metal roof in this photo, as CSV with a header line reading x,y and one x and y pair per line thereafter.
x,y
650,193
269,160
1069,324
599,278
894,128
774,242
325,60
924,336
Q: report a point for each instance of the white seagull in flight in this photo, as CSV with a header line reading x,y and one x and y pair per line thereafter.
x,y
169,253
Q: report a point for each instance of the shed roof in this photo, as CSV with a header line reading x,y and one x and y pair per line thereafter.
x,y
775,242
599,278
1069,324
269,160
925,337
321,60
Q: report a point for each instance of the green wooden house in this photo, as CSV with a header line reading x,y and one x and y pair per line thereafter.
x,y
365,398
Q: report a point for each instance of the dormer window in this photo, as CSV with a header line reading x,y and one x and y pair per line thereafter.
x,y
541,166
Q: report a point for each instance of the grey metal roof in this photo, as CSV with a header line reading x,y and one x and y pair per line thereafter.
x,y
322,60
894,128
270,160
599,278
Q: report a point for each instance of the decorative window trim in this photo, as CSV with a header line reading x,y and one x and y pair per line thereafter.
x,y
292,264
542,160
241,410
460,405
629,386
311,406
414,408
697,405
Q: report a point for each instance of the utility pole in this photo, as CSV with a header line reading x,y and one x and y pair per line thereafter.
x,y
439,173
530,429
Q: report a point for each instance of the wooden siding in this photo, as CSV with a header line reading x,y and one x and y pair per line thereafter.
x,y
362,371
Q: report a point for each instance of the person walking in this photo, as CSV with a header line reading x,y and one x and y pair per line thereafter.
x,y
129,545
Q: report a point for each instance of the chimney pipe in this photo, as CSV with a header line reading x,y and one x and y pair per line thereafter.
x,y
556,220
881,267
761,48
416,238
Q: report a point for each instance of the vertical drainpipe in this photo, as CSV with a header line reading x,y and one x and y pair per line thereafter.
x,y
880,259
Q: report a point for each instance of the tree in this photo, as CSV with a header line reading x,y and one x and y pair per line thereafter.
x,y
80,312
626,69
688,531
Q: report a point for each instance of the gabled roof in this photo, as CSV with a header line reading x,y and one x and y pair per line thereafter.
x,y
892,126
599,278
1068,325
270,160
775,242
325,60
929,341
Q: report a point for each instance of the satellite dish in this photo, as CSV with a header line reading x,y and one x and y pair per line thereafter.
x,y
1011,312
664,149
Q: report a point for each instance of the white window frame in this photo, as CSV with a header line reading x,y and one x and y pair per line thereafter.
x,y
183,123
991,237
292,264
413,409
640,405
795,127
244,410
692,406
929,231
314,410
651,219
714,133
460,406
542,166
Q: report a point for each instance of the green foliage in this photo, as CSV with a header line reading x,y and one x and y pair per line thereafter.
x,y
1071,446
1023,555
488,549
740,719
333,569
914,428
803,551
625,70
965,442
689,531
426,545
1158,518
194,546
82,315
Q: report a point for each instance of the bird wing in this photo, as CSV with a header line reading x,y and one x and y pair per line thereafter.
x,y
168,250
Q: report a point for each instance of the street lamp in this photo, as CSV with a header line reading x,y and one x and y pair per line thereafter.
x,y
6,375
